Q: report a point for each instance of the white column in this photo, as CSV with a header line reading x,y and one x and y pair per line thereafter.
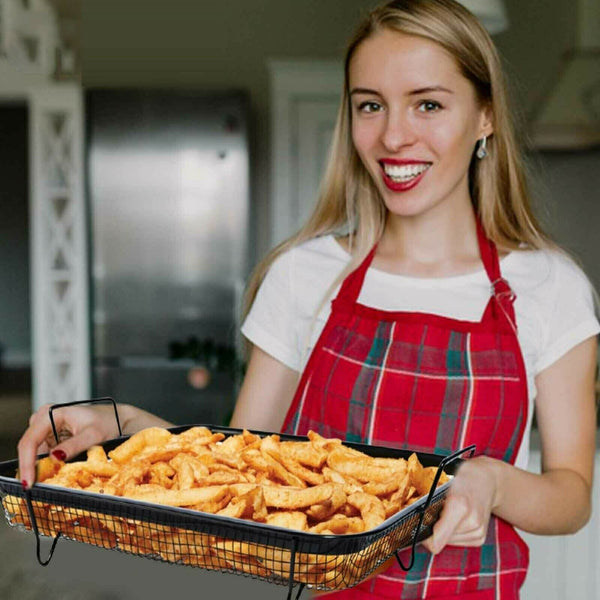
x,y
59,280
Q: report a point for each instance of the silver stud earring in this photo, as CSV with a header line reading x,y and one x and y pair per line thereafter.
x,y
481,151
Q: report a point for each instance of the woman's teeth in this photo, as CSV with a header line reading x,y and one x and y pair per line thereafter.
x,y
400,173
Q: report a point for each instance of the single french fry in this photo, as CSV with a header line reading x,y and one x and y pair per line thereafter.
x,y
232,445
307,475
153,436
193,434
290,519
360,466
324,510
222,478
340,524
180,497
322,443
129,475
371,508
96,454
382,488
46,468
305,453
294,498
239,489
269,449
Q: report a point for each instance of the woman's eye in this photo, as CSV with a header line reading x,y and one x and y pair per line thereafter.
x,y
369,107
428,106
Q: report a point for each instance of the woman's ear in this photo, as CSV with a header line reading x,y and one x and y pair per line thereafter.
x,y
486,123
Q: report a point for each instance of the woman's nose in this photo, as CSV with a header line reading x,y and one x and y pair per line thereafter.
x,y
398,132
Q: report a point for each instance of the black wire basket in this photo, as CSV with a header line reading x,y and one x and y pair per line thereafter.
x,y
189,537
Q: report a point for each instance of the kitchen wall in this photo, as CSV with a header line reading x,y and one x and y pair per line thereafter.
x,y
190,44
568,192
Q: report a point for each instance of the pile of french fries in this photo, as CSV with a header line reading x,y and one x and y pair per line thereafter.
x,y
319,486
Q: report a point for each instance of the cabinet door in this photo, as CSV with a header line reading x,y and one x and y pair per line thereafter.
x,y
304,103
316,122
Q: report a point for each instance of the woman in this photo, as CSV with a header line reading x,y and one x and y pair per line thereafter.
x,y
423,347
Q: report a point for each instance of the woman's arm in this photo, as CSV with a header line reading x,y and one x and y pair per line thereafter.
x,y
557,501
266,393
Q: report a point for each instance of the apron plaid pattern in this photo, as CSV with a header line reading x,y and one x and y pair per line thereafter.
x,y
431,384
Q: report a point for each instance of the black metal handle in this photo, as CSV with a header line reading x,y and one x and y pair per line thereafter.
x,y
28,500
413,545
37,532
447,460
106,400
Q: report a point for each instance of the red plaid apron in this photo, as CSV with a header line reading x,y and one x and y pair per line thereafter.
x,y
431,384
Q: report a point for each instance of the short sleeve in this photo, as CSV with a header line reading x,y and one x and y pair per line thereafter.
x,y
572,318
269,324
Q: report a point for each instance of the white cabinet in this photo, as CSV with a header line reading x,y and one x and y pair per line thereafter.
x,y
565,567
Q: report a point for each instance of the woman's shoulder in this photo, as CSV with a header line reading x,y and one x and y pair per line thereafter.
x,y
545,263
323,246
547,272
554,303
323,252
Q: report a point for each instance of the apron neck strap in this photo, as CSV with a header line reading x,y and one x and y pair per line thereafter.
x,y
489,254
352,285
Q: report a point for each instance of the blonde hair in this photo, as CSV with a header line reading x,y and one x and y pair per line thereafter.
x,y
349,200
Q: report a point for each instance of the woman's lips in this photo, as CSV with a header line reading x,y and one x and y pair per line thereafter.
x,y
402,186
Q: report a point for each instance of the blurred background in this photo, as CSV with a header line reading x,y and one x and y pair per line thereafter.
x,y
152,152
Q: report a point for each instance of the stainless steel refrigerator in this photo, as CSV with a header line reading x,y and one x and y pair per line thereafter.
x,y
168,200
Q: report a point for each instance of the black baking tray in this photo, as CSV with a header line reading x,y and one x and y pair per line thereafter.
x,y
214,542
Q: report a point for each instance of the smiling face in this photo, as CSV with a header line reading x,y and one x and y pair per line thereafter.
x,y
415,122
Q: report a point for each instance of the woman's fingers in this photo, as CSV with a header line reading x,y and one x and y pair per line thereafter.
x,y
43,448
78,428
34,438
88,436
468,539
456,509
428,544
472,539
460,524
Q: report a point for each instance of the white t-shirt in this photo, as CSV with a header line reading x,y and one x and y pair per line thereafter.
x,y
554,304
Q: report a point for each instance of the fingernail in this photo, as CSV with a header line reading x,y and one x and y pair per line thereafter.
x,y
59,454
24,484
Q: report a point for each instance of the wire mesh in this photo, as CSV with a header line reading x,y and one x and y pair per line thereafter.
x,y
214,542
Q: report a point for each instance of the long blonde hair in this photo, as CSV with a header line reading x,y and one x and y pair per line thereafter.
x,y
349,200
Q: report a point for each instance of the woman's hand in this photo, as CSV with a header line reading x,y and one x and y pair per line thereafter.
x,y
466,514
78,428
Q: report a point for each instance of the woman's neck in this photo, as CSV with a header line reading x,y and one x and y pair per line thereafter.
x,y
430,245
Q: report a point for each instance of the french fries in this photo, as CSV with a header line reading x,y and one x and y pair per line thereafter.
x,y
248,477
319,486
